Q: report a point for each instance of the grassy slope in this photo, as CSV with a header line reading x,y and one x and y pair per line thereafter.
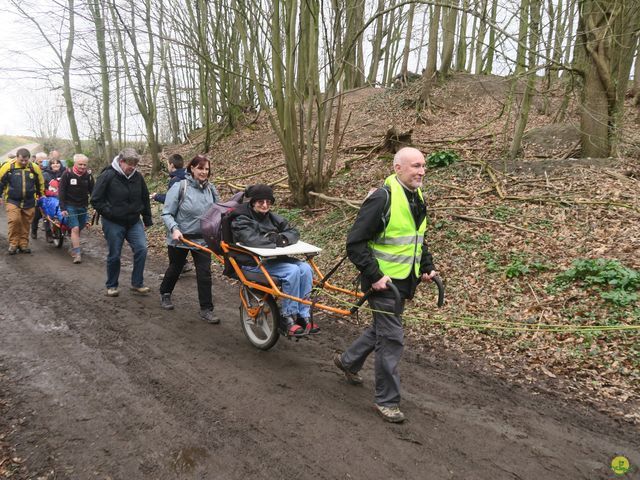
x,y
9,142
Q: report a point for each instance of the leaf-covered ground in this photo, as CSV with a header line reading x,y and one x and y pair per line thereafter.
x,y
501,231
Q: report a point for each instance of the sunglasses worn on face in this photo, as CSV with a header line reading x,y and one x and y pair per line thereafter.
x,y
265,201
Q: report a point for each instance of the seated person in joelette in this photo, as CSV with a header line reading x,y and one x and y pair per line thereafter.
x,y
254,225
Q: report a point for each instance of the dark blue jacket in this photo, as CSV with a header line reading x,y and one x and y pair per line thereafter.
x,y
174,177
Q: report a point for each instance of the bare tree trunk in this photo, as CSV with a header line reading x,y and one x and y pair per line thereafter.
x,y
407,41
66,81
609,39
449,25
97,8
376,45
432,57
354,74
461,50
471,47
534,34
522,35
636,80
144,86
482,32
487,66
391,44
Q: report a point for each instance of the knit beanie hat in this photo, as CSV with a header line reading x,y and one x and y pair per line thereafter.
x,y
260,192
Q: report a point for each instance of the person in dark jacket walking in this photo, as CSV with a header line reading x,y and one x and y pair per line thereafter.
x,y
254,225
177,172
121,197
21,183
181,215
386,244
76,185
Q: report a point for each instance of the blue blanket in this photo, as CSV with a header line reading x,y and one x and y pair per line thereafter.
x,y
51,208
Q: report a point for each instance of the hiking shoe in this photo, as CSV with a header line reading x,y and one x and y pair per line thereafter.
x,y
34,235
291,328
77,258
209,317
140,290
24,250
352,378
389,414
307,325
49,237
165,301
112,292
12,250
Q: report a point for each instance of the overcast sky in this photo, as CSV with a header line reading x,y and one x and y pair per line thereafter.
x,y
23,90
13,88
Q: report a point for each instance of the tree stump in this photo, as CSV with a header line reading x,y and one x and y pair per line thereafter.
x,y
394,141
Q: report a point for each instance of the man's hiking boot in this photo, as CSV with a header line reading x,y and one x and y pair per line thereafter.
x,y
140,290
389,414
112,292
77,258
209,317
12,250
165,301
352,378
34,235
48,237
24,250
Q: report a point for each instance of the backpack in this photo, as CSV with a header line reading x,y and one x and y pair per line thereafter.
x,y
211,221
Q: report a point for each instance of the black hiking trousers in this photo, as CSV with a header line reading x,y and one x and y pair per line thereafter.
x,y
202,262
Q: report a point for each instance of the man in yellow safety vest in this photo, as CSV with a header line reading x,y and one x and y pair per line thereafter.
x,y
386,244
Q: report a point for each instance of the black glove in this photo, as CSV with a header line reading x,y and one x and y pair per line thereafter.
x,y
272,237
282,241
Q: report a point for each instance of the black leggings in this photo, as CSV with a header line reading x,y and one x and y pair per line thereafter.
x,y
202,262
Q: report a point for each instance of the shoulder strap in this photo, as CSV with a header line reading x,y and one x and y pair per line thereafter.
x,y
182,192
386,212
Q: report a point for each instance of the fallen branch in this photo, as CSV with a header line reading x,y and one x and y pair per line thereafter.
x,y
351,203
452,187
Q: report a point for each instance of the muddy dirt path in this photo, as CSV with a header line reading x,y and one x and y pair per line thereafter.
x,y
116,388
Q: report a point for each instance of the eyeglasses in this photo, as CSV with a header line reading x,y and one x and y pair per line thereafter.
x,y
265,201
132,162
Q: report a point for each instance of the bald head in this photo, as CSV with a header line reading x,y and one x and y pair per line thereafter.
x,y
408,164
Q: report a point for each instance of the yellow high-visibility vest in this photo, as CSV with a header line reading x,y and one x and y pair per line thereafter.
x,y
398,249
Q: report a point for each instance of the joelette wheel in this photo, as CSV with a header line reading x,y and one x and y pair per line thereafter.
x,y
260,321
57,236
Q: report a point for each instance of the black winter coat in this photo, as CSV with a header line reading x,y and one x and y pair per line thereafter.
x,y
74,190
252,228
120,199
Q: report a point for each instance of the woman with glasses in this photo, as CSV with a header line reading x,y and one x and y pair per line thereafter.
x,y
185,203
254,224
